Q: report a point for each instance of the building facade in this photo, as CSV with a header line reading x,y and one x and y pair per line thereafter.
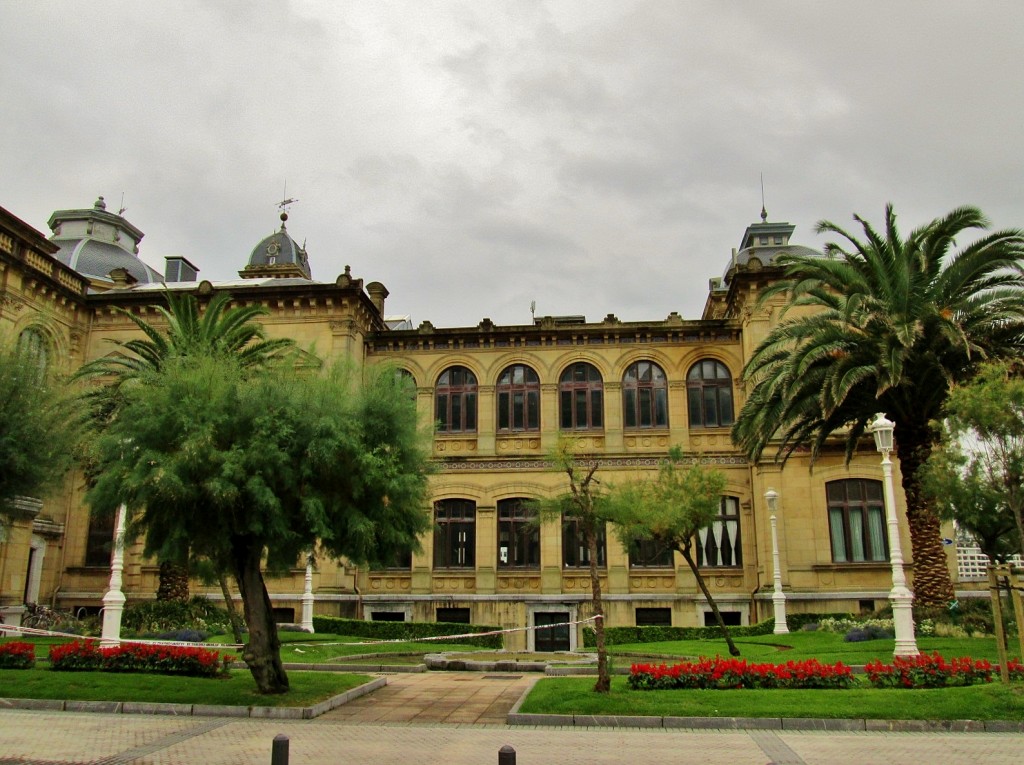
x,y
500,397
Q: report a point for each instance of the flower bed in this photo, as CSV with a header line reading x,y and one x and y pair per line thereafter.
x,y
723,674
138,657
16,655
933,671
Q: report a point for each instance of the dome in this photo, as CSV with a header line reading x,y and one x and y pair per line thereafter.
x,y
278,255
94,242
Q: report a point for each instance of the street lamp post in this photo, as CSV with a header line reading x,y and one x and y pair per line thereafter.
x,y
114,599
900,596
307,596
771,498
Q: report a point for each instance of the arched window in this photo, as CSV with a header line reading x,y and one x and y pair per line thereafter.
x,y
719,543
518,534
455,396
454,533
709,394
32,344
645,396
518,394
581,397
856,521
405,379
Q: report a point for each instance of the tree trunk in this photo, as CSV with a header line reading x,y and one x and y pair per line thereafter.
x,y
229,605
685,550
604,681
173,582
932,585
263,652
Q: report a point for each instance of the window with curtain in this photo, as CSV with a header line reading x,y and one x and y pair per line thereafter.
x,y
581,398
518,396
718,545
454,533
856,521
646,553
709,395
518,534
645,396
455,398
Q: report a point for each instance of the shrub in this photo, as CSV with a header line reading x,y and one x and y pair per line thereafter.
x,y
163,616
406,630
842,625
17,655
727,673
870,632
933,671
138,657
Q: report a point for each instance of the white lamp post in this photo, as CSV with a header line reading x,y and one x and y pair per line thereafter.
x,y
900,596
771,498
113,600
307,597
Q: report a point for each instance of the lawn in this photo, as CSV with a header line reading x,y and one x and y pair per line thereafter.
x,y
307,688
320,648
980,702
824,646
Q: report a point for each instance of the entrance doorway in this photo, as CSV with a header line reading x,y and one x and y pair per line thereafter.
x,y
549,638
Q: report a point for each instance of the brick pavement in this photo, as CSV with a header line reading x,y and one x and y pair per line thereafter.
x,y
417,721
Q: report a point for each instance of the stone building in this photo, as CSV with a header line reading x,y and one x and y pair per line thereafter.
x,y
500,397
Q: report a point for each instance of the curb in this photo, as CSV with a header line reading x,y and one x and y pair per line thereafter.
x,y
196,710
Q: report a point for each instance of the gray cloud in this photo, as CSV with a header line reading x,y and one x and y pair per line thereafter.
x,y
598,156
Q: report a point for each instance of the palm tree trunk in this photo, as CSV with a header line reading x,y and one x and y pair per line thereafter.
x,y
733,650
263,651
173,582
932,585
604,681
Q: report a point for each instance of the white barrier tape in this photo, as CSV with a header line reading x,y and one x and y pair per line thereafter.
x,y
33,631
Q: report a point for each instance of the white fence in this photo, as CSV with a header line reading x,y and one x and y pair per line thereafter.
x,y
972,563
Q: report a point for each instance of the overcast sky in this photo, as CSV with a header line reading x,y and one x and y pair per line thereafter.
x,y
594,157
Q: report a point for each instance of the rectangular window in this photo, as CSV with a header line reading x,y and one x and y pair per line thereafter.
x,y
718,545
453,615
575,552
647,553
454,534
654,617
100,539
518,535
856,520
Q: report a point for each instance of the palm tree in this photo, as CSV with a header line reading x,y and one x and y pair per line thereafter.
x,y
220,330
893,324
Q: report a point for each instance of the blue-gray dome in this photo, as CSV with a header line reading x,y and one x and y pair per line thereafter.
x,y
279,249
94,242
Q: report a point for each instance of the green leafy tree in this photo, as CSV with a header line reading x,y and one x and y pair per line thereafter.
x,y
38,427
888,324
219,330
584,502
976,476
670,510
249,467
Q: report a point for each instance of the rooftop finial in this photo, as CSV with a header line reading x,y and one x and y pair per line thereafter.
x,y
284,204
764,212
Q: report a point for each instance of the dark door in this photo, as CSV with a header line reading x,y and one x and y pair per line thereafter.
x,y
551,638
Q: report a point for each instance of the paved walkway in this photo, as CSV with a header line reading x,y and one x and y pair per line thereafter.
x,y
456,719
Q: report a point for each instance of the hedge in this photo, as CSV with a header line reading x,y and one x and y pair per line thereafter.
x,y
406,630
622,635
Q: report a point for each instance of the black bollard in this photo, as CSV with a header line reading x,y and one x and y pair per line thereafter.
x,y
279,750
506,755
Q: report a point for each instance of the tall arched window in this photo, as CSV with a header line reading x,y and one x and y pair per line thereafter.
x,y
518,395
719,544
454,533
645,396
455,397
709,394
33,345
581,397
406,380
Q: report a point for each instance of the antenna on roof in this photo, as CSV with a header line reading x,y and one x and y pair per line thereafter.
x,y
764,213
123,208
533,310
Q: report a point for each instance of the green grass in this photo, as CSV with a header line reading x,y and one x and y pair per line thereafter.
x,y
322,648
824,646
237,690
981,702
